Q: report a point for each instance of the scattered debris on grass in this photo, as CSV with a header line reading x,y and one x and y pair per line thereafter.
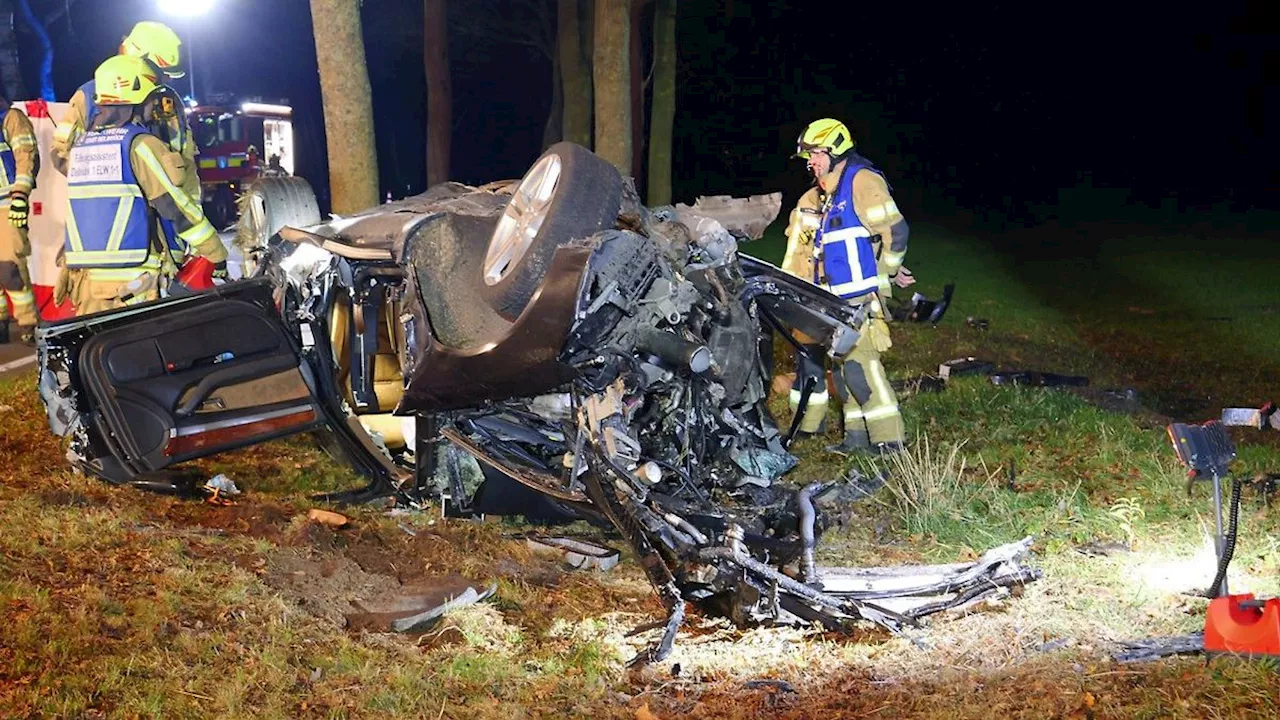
x,y
1256,418
220,489
577,553
328,518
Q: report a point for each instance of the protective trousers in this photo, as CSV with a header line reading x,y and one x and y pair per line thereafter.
x,y
15,278
870,405
815,410
95,290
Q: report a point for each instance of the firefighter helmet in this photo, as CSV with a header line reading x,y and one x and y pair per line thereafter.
x,y
157,43
124,80
825,134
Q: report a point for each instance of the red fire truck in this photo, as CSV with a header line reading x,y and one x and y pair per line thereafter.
x,y
239,140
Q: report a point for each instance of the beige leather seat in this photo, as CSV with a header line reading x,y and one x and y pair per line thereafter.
x,y
388,381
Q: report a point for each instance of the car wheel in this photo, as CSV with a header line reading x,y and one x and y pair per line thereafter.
x,y
269,204
570,193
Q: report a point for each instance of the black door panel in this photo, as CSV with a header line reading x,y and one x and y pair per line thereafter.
x,y
195,380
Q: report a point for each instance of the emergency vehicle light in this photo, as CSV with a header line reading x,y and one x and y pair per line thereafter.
x,y
253,107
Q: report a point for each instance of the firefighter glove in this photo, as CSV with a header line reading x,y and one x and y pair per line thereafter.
x,y
877,332
220,271
19,210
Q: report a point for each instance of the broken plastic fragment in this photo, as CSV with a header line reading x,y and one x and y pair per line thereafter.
x,y
763,463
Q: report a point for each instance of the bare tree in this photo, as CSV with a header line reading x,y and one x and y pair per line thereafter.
x,y
611,72
575,70
348,104
636,59
663,108
10,68
526,23
439,92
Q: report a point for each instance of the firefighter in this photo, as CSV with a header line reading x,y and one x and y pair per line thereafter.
x,y
19,166
852,246
129,223
164,115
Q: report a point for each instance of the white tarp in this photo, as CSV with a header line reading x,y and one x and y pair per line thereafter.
x,y
49,201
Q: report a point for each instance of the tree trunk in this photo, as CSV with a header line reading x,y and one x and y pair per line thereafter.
x,y
610,67
348,104
663,108
10,68
575,73
551,133
637,92
439,93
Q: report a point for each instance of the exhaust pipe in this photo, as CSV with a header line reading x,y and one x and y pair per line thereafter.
x,y
808,516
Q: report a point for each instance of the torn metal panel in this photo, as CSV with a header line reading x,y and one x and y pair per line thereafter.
x,y
748,217
423,620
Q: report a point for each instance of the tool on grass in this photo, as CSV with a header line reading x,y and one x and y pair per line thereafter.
x,y
1239,624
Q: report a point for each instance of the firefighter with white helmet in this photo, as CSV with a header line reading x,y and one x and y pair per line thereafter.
x,y
160,46
19,166
848,236
129,221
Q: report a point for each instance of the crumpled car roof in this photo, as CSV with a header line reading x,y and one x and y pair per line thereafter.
x,y
387,226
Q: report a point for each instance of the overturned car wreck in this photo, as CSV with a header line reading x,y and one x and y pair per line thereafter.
x,y
612,358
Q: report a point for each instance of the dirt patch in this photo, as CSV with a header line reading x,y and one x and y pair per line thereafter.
x,y
324,585
65,498
265,520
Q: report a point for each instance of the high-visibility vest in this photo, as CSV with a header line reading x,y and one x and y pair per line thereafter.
x,y
848,258
109,224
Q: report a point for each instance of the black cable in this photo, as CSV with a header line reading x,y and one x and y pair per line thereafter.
x,y
1229,541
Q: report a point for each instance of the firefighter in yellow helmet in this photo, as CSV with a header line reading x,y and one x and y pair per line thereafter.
x,y
129,221
164,114
19,166
847,235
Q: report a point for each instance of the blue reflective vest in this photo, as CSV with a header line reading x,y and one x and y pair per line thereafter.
x,y
109,223
847,258
90,91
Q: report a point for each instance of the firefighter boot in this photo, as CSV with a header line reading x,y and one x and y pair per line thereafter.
x,y
814,421
856,438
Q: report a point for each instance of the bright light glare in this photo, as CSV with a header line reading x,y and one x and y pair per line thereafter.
x,y
253,107
185,7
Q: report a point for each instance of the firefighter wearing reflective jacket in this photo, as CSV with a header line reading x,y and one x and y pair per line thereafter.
x,y
163,115
857,245
130,223
19,166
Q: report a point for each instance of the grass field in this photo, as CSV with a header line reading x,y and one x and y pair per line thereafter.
x,y
118,603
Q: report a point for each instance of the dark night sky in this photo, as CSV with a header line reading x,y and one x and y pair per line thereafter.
x,y
973,103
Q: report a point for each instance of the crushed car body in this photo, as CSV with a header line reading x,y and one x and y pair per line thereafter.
x,y
599,353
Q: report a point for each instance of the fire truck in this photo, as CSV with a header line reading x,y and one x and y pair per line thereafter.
x,y
239,140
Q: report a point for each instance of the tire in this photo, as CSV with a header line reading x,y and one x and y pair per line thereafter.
x,y
582,200
271,203
221,210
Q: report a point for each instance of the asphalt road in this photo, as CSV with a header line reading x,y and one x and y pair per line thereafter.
x,y
16,358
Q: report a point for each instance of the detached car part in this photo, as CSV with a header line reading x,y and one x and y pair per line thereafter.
x,y
564,338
